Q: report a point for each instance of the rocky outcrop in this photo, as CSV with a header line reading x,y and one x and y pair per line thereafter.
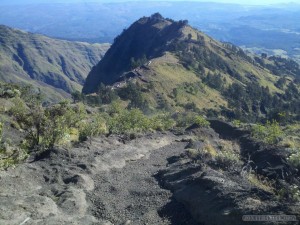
x,y
214,195
269,161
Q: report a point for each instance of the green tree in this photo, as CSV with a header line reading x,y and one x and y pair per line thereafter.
x,y
77,96
106,94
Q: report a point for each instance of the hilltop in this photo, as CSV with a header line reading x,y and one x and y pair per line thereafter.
x,y
57,67
175,66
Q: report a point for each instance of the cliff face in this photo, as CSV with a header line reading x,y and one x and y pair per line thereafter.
x,y
56,66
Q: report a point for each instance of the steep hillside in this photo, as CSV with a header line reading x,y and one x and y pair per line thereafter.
x,y
56,66
176,66
146,38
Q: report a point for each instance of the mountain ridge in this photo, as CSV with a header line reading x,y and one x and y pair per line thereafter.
x,y
57,66
134,45
180,67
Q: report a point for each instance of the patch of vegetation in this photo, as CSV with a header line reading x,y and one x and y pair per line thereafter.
x,y
294,159
105,94
201,121
220,154
134,121
209,150
184,119
10,155
255,103
133,93
162,122
261,182
229,155
138,62
270,133
93,126
129,121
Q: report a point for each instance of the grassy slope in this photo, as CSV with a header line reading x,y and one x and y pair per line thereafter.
x,y
241,65
170,74
181,58
56,66
167,73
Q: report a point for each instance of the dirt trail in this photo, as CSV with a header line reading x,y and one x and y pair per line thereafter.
x,y
133,194
110,181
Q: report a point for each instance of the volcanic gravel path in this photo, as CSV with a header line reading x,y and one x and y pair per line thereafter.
x,y
108,181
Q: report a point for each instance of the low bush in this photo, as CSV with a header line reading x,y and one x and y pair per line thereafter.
x,y
261,182
201,121
185,119
269,133
19,110
92,127
294,159
228,159
229,155
46,127
210,150
162,122
129,121
9,155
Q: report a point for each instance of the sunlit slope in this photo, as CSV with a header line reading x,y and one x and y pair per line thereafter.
x,y
58,67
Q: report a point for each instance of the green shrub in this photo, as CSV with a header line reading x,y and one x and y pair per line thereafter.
x,y
294,159
295,193
19,110
291,193
58,121
129,121
162,122
237,123
49,126
261,182
184,119
229,155
269,133
229,158
201,121
95,126
115,108
105,94
9,155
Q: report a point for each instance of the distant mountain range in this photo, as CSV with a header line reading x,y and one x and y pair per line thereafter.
x,y
271,29
57,67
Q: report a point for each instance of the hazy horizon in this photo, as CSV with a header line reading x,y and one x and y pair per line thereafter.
x,y
241,2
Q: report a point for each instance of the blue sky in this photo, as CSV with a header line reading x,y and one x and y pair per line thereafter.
x,y
247,2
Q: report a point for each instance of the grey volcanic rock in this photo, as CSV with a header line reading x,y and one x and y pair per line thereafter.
x,y
105,183
148,180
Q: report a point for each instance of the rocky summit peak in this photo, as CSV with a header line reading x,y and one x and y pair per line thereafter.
x,y
157,16
146,38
